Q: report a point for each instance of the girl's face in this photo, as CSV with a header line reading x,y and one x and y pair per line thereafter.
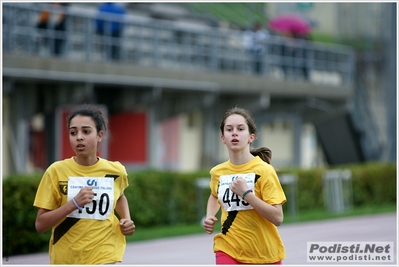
x,y
236,134
83,136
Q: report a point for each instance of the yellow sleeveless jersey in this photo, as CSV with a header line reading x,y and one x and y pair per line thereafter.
x,y
245,235
80,240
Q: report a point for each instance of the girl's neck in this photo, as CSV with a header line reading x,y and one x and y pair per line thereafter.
x,y
240,158
86,161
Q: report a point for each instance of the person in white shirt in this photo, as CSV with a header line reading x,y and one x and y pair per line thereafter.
x,y
254,42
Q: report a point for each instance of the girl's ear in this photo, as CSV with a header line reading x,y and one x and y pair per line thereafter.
x,y
100,136
252,138
223,140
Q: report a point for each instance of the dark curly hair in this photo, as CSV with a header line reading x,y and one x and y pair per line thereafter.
x,y
90,111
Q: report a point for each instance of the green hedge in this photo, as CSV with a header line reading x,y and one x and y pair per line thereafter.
x,y
372,183
19,215
162,198
167,198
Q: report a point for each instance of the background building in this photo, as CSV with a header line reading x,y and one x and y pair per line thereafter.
x,y
178,73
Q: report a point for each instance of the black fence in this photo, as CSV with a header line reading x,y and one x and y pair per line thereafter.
x,y
168,44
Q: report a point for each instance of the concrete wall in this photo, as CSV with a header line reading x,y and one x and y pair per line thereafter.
x,y
190,145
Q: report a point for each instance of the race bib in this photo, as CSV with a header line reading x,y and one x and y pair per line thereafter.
x,y
101,206
230,200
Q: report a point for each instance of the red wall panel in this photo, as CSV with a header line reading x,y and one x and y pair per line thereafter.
x,y
170,142
128,138
66,149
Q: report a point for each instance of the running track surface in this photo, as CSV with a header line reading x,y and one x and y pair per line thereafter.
x,y
197,249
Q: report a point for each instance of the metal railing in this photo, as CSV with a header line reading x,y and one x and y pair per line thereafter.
x,y
167,44
337,187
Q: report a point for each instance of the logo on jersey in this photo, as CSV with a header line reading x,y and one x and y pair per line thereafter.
x,y
63,185
91,182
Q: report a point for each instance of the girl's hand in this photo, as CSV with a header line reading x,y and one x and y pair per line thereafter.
x,y
239,186
85,196
209,224
127,226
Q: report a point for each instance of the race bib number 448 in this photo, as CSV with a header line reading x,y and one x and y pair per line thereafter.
x,y
101,206
230,200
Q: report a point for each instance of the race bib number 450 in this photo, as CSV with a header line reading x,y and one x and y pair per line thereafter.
x,y
230,200
101,206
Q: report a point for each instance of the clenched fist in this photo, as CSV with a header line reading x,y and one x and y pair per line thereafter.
x,y
127,226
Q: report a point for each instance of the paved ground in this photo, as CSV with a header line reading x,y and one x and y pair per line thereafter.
x,y
197,249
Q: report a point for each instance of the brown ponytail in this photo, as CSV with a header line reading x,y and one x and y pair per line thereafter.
x,y
263,152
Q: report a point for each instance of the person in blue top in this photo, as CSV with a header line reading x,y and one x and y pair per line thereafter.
x,y
108,25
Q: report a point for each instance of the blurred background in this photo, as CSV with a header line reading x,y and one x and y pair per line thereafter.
x,y
319,79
